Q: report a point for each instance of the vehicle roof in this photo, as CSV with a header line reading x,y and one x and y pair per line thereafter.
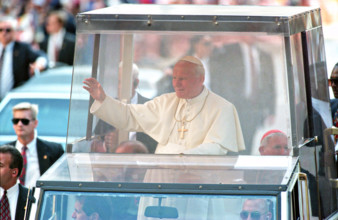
x,y
234,10
56,80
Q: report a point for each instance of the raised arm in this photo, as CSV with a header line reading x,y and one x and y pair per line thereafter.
x,y
95,89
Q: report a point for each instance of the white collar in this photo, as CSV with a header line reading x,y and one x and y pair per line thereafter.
x,y
11,191
31,146
199,97
8,47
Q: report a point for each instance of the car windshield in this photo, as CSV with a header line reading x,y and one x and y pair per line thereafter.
x,y
53,116
149,206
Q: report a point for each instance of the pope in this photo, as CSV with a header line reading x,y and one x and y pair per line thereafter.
x,y
191,120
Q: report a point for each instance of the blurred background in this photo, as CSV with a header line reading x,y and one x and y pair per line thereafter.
x,y
34,27
32,14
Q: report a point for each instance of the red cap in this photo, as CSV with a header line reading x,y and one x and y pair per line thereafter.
x,y
272,132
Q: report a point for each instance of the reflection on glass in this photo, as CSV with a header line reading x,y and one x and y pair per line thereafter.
x,y
241,68
272,171
128,206
274,142
258,209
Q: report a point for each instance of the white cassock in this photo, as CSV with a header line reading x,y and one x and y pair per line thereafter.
x,y
212,125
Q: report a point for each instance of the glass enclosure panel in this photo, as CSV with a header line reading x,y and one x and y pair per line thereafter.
x,y
299,89
321,117
318,78
106,205
246,69
147,168
268,63
79,101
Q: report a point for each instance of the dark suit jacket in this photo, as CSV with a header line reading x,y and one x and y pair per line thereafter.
x,y
334,106
48,153
20,206
23,56
228,79
66,53
150,143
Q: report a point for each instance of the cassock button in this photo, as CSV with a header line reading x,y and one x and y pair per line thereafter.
x,y
45,157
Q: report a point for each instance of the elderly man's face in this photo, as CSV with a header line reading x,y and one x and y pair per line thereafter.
x,y
277,145
186,82
255,209
7,33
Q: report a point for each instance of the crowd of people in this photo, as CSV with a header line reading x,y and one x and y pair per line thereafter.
x,y
45,33
46,29
23,161
34,36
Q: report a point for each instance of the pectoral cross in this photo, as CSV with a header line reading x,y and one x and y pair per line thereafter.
x,y
182,130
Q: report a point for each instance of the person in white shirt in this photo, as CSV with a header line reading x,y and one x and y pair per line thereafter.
x,y
137,98
192,120
58,44
18,60
11,163
40,154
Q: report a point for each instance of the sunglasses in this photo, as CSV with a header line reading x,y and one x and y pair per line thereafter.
x,y
8,30
333,80
255,215
24,121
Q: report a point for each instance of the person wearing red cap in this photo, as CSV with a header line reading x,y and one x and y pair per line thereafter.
x,y
274,142
191,120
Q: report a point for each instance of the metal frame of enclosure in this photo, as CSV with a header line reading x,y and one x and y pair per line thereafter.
x,y
290,93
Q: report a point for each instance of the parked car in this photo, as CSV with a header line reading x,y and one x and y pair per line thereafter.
x,y
51,91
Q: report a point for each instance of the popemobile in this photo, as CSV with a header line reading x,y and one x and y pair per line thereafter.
x,y
257,74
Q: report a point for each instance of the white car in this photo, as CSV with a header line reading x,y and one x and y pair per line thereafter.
x,y
51,91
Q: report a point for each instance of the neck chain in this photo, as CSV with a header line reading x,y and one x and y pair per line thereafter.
x,y
185,120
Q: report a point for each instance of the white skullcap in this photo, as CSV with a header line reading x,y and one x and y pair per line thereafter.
x,y
192,59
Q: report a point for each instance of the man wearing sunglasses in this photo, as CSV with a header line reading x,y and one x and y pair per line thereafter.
x,y
18,60
38,154
256,209
333,82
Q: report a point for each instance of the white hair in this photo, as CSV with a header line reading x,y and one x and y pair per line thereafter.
x,y
34,108
11,20
135,70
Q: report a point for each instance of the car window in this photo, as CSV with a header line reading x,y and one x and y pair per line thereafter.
x,y
52,116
